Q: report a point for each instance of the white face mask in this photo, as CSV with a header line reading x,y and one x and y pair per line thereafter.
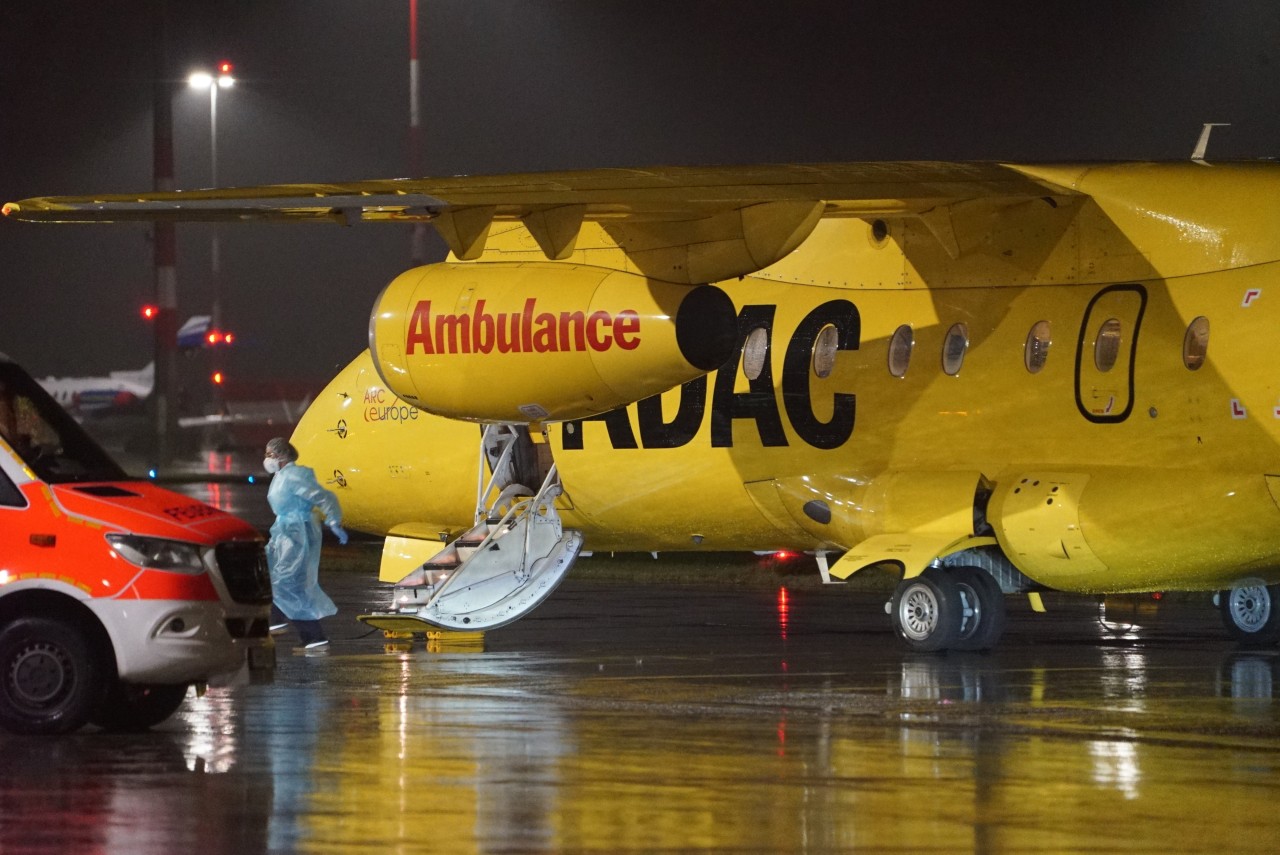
x,y
271,464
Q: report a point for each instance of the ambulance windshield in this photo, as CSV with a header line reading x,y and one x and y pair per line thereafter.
x,y
45,436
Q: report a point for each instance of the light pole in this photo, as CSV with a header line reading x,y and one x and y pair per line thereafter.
x,y
214,82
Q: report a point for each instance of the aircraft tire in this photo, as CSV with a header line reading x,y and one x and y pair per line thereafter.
x,y
135,707
1251,614
51,679
926,611
982,612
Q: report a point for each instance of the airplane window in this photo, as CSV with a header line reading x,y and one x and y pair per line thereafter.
x,y
954,348
754,352
1107,346
1037,350
900,347
824,351
1195,344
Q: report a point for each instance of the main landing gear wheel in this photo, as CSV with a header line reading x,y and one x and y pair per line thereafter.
x,y
982,616
51,679
135,707
1251,614
926,611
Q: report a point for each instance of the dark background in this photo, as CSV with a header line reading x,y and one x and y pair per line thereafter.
x,y
516,85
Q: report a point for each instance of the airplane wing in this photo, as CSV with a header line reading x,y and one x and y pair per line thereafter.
x,y
682,224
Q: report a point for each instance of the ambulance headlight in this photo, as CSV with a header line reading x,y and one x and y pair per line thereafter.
x,y
155,553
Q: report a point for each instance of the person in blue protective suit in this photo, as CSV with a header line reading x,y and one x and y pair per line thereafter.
x,y
293,553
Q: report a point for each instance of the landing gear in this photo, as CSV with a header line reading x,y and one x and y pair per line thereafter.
x,y
958,608
1251,614
982,605
926,611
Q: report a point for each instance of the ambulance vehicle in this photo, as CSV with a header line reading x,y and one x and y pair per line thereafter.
x,y
116,595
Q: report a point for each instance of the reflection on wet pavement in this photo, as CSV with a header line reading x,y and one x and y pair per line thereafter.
x,y
234,483
628,718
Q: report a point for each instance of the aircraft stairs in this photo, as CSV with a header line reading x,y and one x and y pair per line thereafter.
x,y
504,566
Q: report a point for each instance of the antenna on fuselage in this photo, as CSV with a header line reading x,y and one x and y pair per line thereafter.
x,y
1197,156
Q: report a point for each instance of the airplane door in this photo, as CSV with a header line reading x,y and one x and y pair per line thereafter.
x,y
1107,352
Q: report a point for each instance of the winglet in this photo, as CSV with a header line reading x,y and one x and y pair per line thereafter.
x,y
1202,144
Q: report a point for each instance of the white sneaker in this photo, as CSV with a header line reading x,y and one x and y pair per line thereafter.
x,y
315,645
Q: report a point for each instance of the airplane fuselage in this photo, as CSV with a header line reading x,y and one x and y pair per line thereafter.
x,y
1110,428
995,378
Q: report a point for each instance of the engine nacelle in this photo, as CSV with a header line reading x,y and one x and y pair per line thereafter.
x,y
526,342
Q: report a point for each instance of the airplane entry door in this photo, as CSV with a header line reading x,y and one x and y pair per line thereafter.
x,y
1107,351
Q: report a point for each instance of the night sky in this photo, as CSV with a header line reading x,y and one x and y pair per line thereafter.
x,y
518,85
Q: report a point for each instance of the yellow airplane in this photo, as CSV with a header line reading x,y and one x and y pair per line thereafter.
x,y
996,378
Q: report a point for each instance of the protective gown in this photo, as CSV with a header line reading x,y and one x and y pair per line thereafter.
x,y
293,553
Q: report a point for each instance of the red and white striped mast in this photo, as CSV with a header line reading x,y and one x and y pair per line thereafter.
x,y
418,238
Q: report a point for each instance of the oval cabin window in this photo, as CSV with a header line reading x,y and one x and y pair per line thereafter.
x,y
824,351
954,348
1106,348
1195,344
900,347
754,352
1036,352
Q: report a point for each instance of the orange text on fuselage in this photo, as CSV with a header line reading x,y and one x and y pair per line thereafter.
x,y
526,331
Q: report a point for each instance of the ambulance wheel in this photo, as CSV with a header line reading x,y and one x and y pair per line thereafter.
x,y
51,679
133,707
982,613
926,611
1251,614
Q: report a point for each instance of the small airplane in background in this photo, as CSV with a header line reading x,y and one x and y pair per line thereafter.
x,y
94,396
120,390
194,333
992,378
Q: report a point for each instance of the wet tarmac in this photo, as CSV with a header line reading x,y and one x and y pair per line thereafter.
x,y
683,716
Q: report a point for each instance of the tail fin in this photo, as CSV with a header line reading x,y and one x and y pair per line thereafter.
x,y
191,334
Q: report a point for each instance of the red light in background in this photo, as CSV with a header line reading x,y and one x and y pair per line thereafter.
x,y
217,463
224,67
149,312
217,378
227,338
